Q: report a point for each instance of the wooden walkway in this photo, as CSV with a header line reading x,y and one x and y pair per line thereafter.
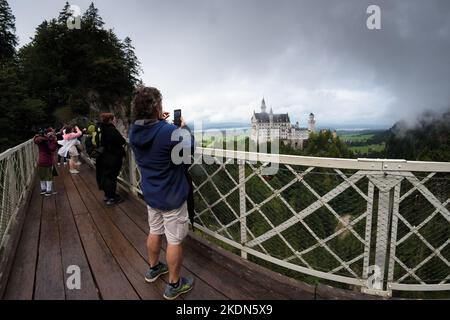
x,y
75,227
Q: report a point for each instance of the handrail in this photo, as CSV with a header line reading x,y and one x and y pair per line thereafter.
x,y
378,224
17,168
340,163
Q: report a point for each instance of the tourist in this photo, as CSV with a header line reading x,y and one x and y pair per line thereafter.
x,y
69,147
46,142
109,162
164,185
59,137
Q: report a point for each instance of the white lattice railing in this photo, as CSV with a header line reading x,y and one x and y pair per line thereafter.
x,y
382,225
17,168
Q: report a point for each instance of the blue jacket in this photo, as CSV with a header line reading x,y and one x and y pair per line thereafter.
x,y
164,184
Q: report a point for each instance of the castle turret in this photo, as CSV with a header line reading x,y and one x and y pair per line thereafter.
x,y
263,106
311,123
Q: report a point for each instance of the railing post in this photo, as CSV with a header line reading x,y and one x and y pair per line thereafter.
x,y
388,187
132,172
383,217
242,206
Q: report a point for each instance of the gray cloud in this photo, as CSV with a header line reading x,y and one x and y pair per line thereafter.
x,y
217,59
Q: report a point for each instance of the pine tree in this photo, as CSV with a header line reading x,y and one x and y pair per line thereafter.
x,y
65,14
8,39
91,18
77,69
132,61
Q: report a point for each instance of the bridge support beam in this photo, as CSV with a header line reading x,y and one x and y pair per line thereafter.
x,y
242,206
132,167
388,203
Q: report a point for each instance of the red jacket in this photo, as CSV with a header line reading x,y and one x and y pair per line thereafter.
x,y
46,148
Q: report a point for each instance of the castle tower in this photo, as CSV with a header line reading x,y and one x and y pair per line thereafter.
x,y
311,123
263,106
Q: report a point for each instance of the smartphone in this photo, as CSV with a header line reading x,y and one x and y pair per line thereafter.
x,y
177,117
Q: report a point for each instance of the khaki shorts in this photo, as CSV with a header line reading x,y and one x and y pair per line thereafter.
x,y
73,151
174,223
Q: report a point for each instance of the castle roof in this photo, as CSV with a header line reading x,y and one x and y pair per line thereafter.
x,y
264,117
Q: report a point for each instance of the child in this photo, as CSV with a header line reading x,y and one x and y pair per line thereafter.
x,y
69,146
46,142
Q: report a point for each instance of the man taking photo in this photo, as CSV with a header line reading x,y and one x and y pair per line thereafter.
x,y
164,184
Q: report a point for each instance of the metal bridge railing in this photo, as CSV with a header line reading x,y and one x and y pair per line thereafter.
x,y
381,225
17,168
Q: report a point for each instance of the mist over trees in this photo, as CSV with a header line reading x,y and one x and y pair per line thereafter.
x,y
427,140
62,73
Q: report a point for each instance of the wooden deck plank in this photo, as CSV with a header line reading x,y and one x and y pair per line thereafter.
x,y
137,238
228,283
272,281
206,270
49,272
109,244
132,264
76,203
21,278
71,247
108,275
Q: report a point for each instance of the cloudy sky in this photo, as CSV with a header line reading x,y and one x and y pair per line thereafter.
x,y
216,59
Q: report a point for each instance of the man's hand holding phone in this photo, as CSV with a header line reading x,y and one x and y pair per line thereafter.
x,y
178,119
165,115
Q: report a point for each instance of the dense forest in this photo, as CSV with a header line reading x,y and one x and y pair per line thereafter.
x,y
427,140
62,74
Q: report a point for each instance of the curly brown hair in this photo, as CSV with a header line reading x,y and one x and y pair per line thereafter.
x,y
145,102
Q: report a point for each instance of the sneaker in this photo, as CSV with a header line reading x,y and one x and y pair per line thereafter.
x,y
74,171
65,164
152,275
185,285
51,193
43,192
59,164
113,201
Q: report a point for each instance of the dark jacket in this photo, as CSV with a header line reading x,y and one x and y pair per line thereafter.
x,y
164,184
46,148
112,140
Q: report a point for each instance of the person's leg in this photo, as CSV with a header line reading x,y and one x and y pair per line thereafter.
x,y
43,187
154,242
108,183
72,163
112,170
99,172
174,257
75,161
41,174
176,229
49,191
